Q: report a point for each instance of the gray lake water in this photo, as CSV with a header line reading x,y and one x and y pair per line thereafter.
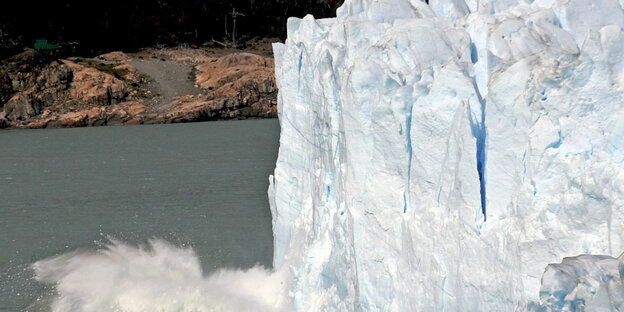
x,y
202,185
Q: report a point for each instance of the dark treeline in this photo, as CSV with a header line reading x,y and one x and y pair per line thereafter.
x,y
98,26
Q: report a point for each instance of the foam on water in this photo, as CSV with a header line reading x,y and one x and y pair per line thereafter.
x,y
155,277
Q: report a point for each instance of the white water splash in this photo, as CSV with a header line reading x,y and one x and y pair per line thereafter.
x,y
157,277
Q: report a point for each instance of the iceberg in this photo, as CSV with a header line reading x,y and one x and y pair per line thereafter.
x,y
438,157
583,283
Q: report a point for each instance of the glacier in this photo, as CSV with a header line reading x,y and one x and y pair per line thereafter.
x,y
446,156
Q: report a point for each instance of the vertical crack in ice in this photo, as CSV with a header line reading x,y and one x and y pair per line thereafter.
x,y
479,131
408,131
481,161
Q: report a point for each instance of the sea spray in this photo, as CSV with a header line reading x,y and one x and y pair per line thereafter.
x,y
154,277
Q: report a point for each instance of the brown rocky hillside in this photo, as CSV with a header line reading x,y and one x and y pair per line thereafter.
x,y
154,86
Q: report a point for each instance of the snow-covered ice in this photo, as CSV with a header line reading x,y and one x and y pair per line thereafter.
x,y
440,157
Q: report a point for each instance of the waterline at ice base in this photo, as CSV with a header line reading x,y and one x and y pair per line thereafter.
x,y
451,156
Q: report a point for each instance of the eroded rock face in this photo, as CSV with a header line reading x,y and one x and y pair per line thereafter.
x,y
127,113
241,85
19,107
31,86
37,93
35,90
232,68
95,87
234,86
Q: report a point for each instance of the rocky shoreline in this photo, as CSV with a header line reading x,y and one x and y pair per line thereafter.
x,y
150,87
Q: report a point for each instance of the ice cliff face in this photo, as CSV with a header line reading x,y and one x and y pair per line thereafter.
x,y
439,157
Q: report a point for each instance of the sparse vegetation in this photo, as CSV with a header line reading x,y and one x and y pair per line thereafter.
x,y
108,68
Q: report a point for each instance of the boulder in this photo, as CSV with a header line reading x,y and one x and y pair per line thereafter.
x,y
116,56
91,86
19,107
129,73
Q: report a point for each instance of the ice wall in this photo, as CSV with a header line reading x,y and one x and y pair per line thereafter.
x,y
439,157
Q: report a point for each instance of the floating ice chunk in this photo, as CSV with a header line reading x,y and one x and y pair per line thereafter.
x,y
582,283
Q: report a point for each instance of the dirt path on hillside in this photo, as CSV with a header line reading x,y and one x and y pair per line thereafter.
x,y
168,79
